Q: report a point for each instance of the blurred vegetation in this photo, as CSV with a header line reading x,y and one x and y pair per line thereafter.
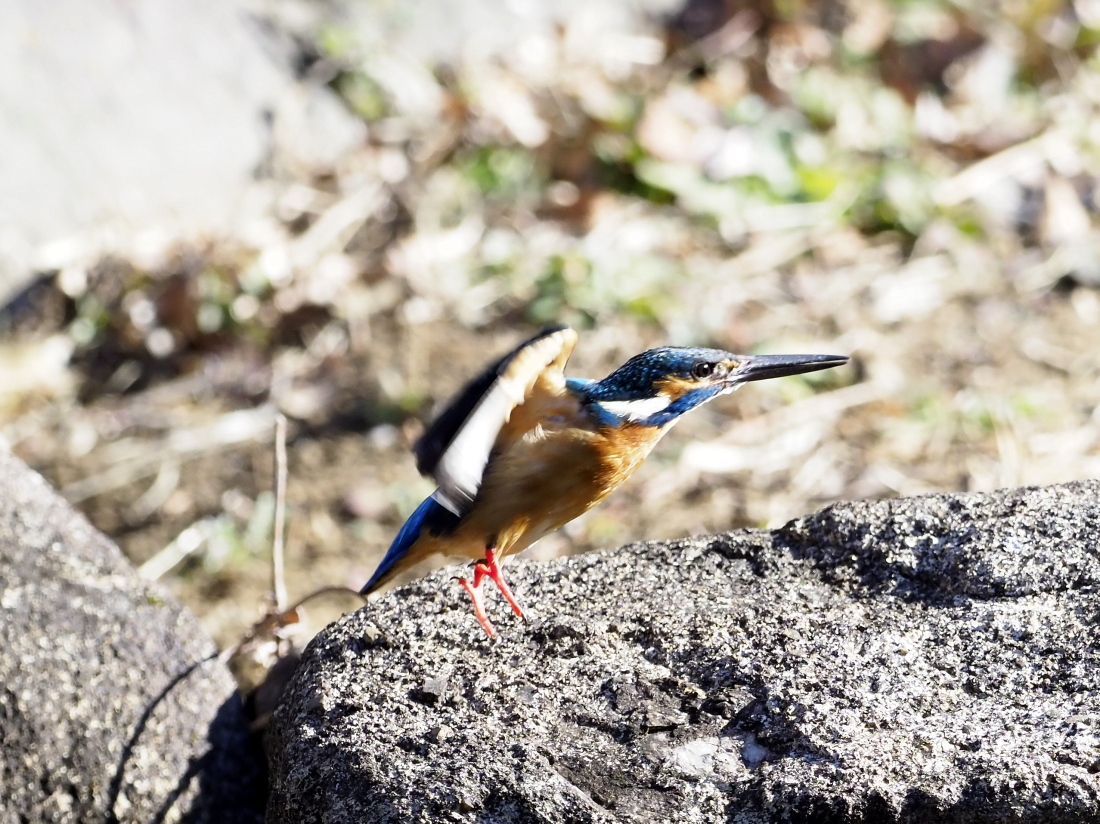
x,y
911,182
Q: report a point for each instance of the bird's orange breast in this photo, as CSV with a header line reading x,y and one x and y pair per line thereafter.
x,y
543,481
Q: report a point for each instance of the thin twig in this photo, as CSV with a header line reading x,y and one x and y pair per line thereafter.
x,y
273,621
278,582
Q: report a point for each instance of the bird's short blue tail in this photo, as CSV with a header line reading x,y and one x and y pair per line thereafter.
x,y
429,515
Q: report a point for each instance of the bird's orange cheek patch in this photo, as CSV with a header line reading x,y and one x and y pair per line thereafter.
x,y
674,387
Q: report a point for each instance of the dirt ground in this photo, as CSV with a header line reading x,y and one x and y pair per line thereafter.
x,y
911,184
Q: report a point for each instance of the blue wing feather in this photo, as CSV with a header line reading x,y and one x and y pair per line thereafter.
x,y
429,515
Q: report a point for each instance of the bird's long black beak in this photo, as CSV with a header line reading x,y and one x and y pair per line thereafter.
x,y
762,367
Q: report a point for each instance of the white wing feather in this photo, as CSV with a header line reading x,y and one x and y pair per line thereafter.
x,y
462,465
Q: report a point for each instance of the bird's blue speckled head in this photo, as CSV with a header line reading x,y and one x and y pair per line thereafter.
x,y
658,386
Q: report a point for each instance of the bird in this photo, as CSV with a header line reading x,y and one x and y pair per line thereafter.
x,y
522,450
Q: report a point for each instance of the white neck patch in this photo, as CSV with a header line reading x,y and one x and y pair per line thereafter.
x,y
637,410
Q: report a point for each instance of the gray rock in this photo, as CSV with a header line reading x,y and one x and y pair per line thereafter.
x,y
112,707
923,659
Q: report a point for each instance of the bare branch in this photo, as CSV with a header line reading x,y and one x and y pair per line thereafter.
x,y
278,581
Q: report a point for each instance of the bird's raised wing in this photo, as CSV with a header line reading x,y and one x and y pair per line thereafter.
x,y
456,448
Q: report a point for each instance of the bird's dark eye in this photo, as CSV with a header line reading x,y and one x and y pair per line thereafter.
x,y
702,370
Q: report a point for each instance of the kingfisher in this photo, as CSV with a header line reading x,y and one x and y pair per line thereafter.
x,y
522,450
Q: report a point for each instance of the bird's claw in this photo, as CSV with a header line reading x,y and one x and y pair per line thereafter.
x,y
474,591
489,568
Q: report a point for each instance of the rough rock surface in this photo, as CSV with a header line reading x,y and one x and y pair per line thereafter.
x,y
111,706
922,659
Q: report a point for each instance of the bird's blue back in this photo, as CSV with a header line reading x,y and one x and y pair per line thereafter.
x,y
429,515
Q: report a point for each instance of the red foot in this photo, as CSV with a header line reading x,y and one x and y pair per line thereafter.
x,y
489,568
474,591
492,569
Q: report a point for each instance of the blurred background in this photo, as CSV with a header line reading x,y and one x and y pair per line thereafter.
x,y
340,210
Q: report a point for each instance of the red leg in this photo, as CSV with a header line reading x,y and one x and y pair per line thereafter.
x,y
492,570
474,591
